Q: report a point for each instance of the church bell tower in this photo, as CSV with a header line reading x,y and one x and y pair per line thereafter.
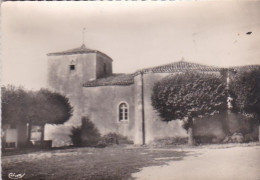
x,y
68,70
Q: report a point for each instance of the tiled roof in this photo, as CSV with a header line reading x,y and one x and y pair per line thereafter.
x,y
80,50
127,79
245,68
179,66
115,79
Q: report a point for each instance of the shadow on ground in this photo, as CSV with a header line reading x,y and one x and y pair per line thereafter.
x,y
111,163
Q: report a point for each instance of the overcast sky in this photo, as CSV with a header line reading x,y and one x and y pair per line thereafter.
x,y
134,34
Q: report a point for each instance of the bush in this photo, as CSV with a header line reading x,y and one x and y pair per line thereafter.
x,y
205,139
87,135
75,136
113,138
171,141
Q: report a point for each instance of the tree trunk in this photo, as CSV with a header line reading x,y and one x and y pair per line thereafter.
x,y
190,131
259,132
29,132
190,136
42,135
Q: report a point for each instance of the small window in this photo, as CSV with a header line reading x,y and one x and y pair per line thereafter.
x,y
123,112
72,67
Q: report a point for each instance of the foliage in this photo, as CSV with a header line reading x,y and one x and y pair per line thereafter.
x,y
189,95
34,107
51,107
114,138
170,141
85,135
15,102
75,136
245,92
89,133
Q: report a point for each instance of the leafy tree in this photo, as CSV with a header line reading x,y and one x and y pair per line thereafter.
x,y
34,107
15,102
245,93
85,135
50,107
188,95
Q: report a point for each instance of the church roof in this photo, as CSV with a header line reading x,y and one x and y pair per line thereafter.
x,y
245,68
80,50
179,66
127,79
114,79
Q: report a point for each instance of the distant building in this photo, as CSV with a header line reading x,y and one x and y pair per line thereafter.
x,y
18,136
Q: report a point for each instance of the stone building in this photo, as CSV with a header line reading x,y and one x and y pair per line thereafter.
x,y
118,103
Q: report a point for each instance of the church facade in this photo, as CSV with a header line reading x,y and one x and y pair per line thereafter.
x,y
119,103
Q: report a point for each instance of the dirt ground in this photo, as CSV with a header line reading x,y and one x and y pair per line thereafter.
x,y
111,163
240,163
131,162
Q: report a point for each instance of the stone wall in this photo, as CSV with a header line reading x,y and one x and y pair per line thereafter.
x,y
102,108
22,134
154,126
62,79
69,82
103,62
138,82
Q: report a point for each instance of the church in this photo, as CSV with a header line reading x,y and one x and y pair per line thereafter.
x,y
119,103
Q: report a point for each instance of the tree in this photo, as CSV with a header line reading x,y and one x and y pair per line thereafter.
x,y
34,107
245,93
15,102
188,95
85,135
50,107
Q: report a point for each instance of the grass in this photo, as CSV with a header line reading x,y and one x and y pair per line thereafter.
x,y
111,163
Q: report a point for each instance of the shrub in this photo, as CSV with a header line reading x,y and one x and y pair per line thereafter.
x,y
114,138
75,136
171,141
87,135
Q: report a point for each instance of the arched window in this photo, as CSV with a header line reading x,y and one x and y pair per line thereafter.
x,y
123,113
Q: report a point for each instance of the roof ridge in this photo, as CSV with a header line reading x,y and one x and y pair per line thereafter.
x,y
248,65
81,49
178,66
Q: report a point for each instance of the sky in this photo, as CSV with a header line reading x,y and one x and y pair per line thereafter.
x,y
135,35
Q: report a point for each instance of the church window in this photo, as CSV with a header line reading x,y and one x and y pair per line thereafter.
x,y
123,111
72,67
